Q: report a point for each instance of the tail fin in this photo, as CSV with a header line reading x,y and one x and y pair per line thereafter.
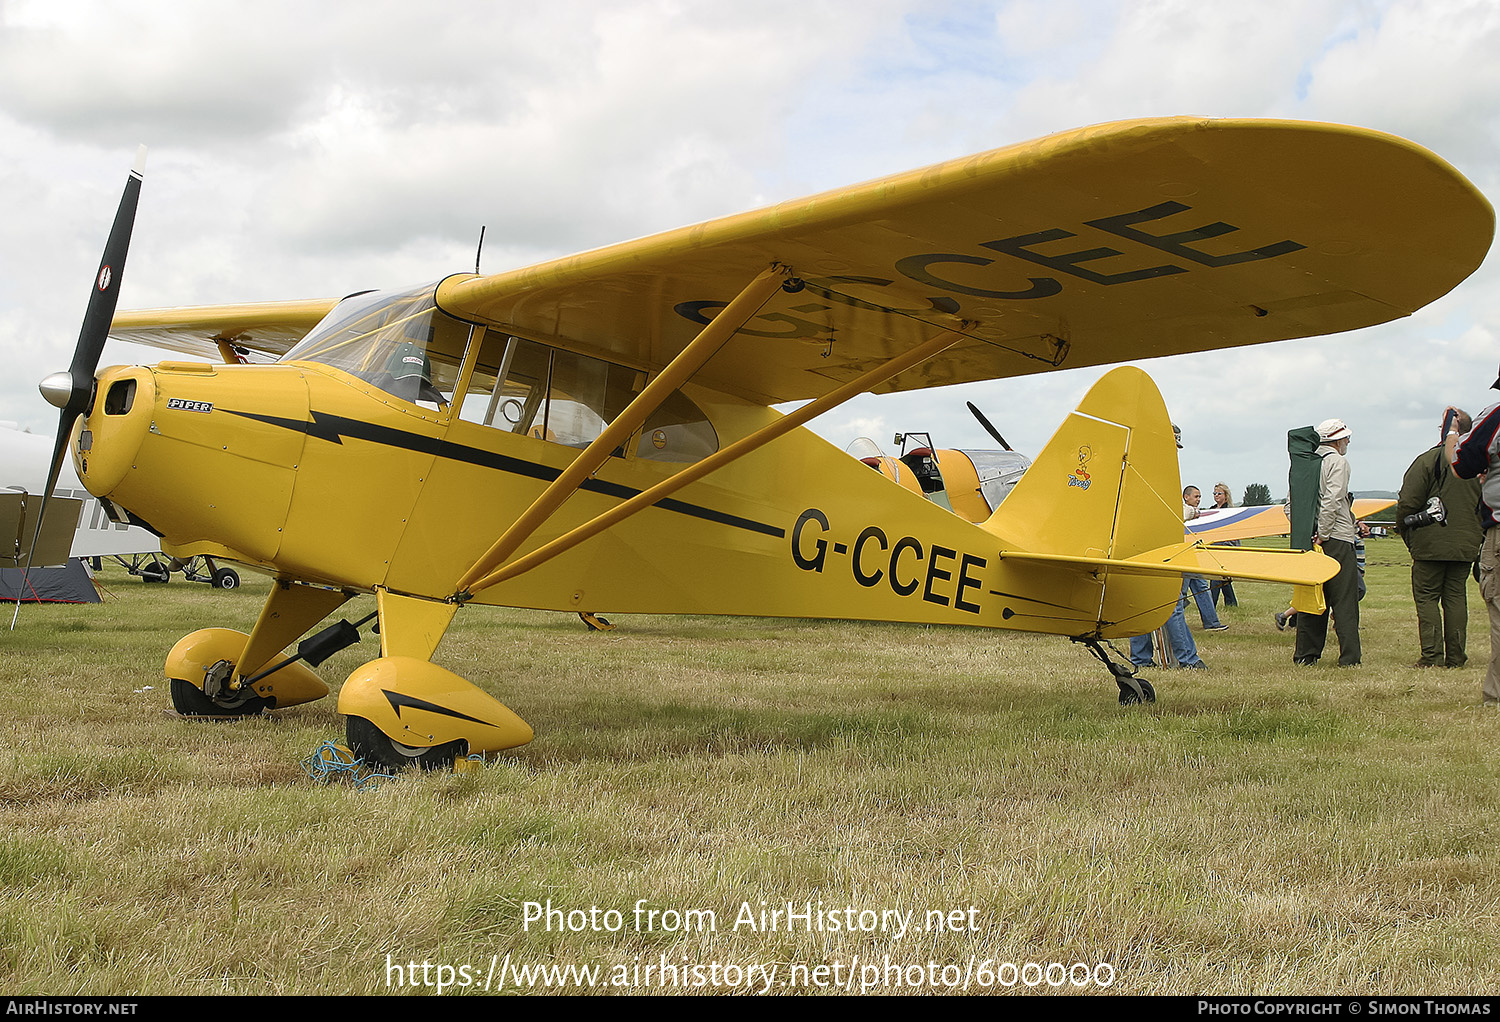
x,y
1106,485
1105,498
1104,490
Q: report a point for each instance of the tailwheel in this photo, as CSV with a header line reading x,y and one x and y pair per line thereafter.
x,y
1134,690
375,746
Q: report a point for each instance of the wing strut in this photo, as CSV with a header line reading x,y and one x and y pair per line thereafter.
x,y
734,451
681,369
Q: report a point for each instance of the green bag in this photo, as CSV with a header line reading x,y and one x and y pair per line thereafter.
x,y
1302,484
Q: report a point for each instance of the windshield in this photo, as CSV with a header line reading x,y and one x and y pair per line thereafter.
x,y
396,340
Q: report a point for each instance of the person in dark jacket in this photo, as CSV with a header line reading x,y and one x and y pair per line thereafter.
x,y
1442,552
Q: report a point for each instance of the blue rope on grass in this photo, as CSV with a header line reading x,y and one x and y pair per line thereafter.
x,y
331,762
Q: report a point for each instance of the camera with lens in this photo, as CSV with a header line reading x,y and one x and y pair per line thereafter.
x,y
1432,513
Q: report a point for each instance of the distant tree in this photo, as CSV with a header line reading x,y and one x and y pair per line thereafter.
x,y
1257,495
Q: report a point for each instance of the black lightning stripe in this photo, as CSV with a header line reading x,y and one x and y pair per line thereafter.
x,y
334,428
397,700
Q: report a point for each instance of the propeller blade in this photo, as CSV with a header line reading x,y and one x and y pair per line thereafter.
x,y
72,390
96,320
991,430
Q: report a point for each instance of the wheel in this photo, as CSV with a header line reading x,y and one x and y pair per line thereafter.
x,y
375,746
226,578
155,572
1135,690
188,699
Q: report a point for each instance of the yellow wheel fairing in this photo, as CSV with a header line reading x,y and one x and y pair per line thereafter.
x,y
196,653
419,704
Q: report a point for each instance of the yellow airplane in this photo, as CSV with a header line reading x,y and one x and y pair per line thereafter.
x,y
969,483
595,433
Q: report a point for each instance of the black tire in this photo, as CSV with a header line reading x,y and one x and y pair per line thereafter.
x,y
226,578
1128,695
374,746
155,572
188,699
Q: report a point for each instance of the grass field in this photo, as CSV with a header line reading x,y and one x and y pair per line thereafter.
x,y
1262,829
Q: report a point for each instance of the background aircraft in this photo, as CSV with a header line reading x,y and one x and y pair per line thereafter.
x,y
1235,523
596,432
23,469
971,483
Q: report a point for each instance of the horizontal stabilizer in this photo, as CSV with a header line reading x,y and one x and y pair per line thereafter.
x,y
1293,567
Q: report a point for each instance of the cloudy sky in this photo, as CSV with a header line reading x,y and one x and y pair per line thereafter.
x,y
311,148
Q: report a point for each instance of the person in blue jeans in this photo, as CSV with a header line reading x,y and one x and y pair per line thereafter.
x,y
1179,637
1197,584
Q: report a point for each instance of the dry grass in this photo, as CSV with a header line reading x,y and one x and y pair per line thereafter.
x,y
1262,829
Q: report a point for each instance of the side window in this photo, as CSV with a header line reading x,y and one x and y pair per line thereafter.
x,y
521,368
678,431
584,396
567,398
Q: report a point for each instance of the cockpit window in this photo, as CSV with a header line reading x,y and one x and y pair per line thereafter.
x,y
566,397
402,343
396,340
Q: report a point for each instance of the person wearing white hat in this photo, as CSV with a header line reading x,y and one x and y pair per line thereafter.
x,y
1338,533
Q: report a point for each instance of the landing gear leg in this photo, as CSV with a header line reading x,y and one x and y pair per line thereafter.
x,y
217,672
1133,689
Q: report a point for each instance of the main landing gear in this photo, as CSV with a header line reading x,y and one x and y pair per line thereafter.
x,y
403,710
1133,690
158,568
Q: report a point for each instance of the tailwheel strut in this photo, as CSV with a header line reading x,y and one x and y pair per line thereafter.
x,y
1133,689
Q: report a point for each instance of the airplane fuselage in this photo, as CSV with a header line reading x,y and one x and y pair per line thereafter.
x,y
309,473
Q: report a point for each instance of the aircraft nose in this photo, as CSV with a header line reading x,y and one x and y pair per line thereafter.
x,y
110,435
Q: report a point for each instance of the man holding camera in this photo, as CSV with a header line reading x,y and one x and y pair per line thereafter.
x,y
1437,514
1476,454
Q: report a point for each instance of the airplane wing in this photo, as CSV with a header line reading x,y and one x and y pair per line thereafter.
x,y
1236,523
270,328
1121,241
1365,507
